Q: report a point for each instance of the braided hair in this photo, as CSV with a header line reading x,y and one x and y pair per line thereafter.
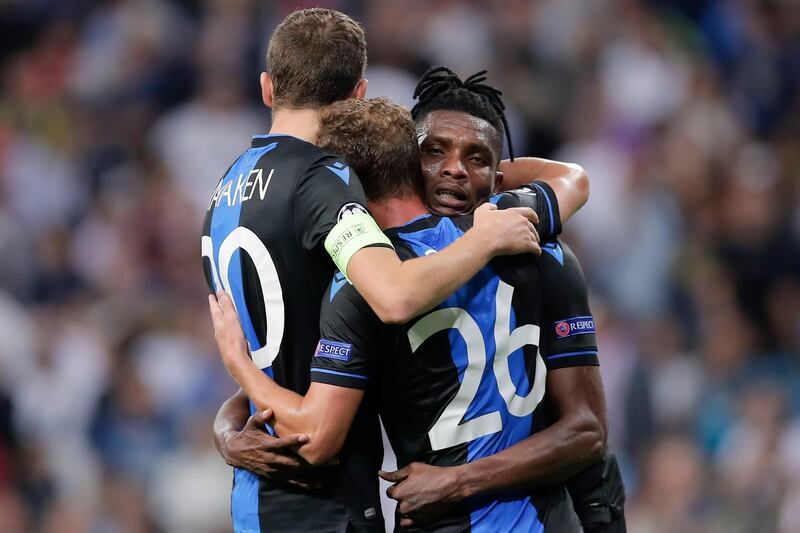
x,y
441,89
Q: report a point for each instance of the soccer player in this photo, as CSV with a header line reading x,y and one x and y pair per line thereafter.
x,y
441,126
286,214
447,130
494,321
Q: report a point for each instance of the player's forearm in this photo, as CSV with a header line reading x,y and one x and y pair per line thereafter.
x,y
545,458
266,394
399,291
230,419
569,181
295,414
428,281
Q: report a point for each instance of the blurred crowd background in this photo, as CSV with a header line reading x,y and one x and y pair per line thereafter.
x,y
117,117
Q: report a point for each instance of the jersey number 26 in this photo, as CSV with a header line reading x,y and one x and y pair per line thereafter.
x,y
449,430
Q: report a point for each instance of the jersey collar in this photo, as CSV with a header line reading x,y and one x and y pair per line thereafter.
x,y
263,140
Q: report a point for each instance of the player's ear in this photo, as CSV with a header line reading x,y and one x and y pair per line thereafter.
x,y
361,89
266,89
498,182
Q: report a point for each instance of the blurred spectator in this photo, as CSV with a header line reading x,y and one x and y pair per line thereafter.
x,y
118,116
674,492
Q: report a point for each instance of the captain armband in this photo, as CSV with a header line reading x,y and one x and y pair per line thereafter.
x,y
349,235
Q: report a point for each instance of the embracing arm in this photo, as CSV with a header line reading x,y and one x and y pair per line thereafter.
x,y
574,388
576,440
325,413
330,218
574,394
424,492
230,420
400,290
569,181
323,416
244,443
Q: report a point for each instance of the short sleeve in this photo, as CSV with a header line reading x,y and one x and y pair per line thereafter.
x,y
540,197
568,330
328,194
348,333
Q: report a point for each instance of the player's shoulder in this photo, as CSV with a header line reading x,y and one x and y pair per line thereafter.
x,y
428,234
294,152
341,294
558,254
319,158
322,167
560,270
402,245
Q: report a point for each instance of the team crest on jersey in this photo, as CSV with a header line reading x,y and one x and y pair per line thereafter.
x,y
579,325
351,208
340,351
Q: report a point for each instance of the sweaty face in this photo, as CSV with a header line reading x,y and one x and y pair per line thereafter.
x,y
460,154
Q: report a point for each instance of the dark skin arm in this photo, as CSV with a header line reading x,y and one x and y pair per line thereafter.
x,y
243,442
569,181
576,440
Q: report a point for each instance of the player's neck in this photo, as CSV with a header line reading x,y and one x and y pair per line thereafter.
x,y
300,123
394,212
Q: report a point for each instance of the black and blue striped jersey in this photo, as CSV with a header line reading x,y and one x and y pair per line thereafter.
x,y
264,243
467,379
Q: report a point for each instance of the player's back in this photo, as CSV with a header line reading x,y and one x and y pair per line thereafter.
x,y
263,242
465,380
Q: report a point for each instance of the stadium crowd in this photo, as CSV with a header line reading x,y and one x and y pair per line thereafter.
x,y
117,118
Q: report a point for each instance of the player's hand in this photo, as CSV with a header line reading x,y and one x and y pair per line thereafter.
x,y
507,231
227,329
255,450
423,492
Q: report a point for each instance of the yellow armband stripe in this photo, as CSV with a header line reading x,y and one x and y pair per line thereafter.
x,y
351,234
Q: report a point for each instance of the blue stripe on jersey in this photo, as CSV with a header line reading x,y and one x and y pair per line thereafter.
x,y
509,515
244,496
338,373
549,207
568,354
554,249
244,502
516,363
225,219
477,297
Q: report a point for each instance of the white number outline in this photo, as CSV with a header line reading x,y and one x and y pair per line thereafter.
x,y
449,427
244,239
449,430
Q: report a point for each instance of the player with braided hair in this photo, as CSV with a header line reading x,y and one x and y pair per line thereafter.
x,y
466,120
456,120
441,88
